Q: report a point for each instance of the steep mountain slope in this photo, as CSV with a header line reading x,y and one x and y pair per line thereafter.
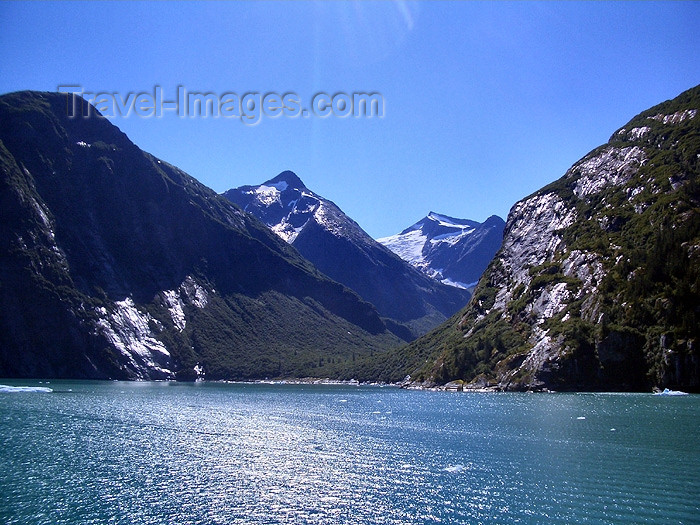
x,y
453,251
338,247
597,284
116,264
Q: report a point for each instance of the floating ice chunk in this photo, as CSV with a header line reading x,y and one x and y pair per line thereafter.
x,y
668,392
8,389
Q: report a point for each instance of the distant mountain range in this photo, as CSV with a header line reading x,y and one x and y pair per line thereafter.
x,y
597,283
453,251
115,264
411,302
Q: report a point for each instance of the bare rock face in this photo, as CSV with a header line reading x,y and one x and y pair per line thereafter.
x,y
596,285
115,264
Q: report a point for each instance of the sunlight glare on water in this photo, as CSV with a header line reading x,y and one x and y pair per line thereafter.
x,y
212,453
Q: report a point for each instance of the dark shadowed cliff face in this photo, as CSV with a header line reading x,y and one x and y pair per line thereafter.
x,y
338,247
116,264
597,283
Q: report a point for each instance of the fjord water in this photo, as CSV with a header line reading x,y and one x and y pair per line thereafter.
x,y
213,453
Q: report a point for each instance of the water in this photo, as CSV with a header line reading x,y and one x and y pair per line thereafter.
x,y
166,453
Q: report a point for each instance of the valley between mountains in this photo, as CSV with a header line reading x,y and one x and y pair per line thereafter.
x,y
115,264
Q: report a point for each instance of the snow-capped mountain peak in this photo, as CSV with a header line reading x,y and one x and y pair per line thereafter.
x,y
284,203
287,179
342,250
450,222
441,224
453,251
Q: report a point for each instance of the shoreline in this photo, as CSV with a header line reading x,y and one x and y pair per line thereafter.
x,y
455,387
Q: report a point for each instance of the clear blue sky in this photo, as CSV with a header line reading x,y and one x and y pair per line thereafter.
x,y
484,102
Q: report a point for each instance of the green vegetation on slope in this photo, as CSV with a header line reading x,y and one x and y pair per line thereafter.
x,y
638,326
94,232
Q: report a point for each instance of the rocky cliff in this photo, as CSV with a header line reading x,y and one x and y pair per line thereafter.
x,y
115,264
597,283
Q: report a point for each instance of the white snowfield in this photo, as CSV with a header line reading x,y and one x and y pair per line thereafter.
x,y
414,246
408,246
133,332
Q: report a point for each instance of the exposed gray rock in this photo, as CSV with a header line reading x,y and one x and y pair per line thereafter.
x,y
595,273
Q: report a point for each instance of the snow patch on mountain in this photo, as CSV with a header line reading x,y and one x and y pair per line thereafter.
x,y
172,301
188,293
280,185
322,217
457,284
286,231
267,194
130,331
452,251
342,250
449,222
134,333
408,246
452,238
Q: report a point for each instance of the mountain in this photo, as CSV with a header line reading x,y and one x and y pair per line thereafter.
x,y
453,251
597,283
342,250
115,264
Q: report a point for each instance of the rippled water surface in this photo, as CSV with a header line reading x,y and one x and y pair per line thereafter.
x,y
207,453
